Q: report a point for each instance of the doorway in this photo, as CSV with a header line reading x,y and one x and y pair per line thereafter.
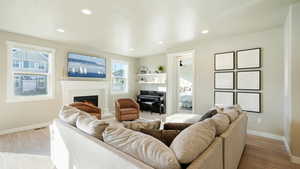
x,y
185,83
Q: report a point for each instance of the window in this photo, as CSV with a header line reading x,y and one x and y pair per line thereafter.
x,y
119,75
30,72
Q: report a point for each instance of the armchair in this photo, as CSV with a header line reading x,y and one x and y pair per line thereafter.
x,y
126,109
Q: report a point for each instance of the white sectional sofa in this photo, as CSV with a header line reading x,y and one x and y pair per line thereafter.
x,y
74,149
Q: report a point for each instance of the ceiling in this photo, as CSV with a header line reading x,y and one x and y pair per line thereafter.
x,y
136,27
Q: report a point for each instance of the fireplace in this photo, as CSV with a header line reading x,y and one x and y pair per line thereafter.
x,y
87,99
95,92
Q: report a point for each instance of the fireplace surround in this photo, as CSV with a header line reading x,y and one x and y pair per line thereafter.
x,y
72,90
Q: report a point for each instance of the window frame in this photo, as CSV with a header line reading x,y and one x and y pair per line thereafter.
x,y
11,97
126,91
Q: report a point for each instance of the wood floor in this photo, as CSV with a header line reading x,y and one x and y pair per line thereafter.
x,y
260,153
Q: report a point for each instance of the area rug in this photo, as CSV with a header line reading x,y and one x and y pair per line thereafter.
x,y
24,161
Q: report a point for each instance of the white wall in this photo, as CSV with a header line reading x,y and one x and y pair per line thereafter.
x,y
271,42
14,115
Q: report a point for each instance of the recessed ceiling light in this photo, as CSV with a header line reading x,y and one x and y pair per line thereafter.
x,y
60,30
86,11
160,42
204,31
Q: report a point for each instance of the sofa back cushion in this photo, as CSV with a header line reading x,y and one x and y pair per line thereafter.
x,y
222,122
192,141
176,126
165,136
70,114
91,126
209,114
142,147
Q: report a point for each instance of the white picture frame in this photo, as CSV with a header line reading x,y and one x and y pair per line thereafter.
x,y
224,80
248,58
224,98
224,61
248,80
249,101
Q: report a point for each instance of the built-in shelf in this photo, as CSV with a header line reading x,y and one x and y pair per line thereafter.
x,y
152,78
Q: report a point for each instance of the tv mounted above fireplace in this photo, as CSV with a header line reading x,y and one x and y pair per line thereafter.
x,y
86,66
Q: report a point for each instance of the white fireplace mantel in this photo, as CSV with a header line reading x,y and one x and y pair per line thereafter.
x,y
71,89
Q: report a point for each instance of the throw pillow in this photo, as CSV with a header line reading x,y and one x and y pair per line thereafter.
x,y
142,147
209,114
222,122
138,125
165,136
91,126
176,126
70,114
232,113
192,141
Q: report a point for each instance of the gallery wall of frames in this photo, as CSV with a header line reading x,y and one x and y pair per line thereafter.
x,y
238,79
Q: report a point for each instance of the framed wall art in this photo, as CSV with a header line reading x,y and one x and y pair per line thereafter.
x,y
224,80
224,61
224,98
248,58
248,80
249,101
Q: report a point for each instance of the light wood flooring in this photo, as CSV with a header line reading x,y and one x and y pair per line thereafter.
x,y
260,153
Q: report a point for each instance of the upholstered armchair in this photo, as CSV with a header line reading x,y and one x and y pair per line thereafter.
x,y
89,108
127,109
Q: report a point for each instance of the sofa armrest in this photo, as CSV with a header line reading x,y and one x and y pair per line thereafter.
x,y
72,148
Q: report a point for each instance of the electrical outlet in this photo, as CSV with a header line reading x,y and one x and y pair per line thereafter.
x,y
259,120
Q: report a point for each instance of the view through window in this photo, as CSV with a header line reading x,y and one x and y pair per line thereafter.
x,y
29,71
119,76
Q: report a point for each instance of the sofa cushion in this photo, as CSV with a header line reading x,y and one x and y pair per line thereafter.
x,y
222,122
192,141
176,126
128,111
140,124
165,136
142,147
70,114
91,126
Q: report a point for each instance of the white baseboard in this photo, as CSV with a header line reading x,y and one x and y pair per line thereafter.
x,y
265,134
24,128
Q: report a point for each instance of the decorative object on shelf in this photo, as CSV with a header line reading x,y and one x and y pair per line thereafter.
x,y
248,58
224,80
144,70
161,69
249,101
224,98
249,80
224,61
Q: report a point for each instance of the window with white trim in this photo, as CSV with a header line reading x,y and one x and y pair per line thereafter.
x,y
119,76
30,72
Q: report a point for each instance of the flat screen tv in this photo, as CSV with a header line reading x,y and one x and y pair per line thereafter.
x,y
86,66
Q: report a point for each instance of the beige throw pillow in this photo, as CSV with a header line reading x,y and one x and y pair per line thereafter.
x,y
138,125
70,114
222,122
142,147
231,112
91,126
192,141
